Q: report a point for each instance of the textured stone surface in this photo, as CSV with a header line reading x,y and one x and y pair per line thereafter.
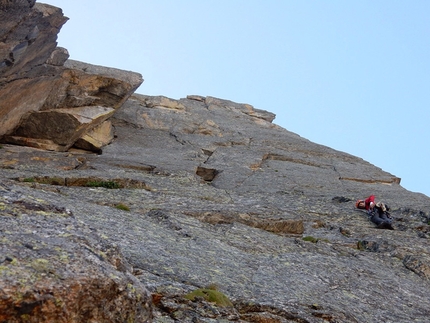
x,y
61,126
27,39
47,101
54,268
69,107
275,229
96,138
193,194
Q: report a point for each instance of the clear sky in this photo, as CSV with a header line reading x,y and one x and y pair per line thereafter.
x,y
351,75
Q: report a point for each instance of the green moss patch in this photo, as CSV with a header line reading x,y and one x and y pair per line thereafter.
x,y
105,184
115,183
210,295
310,239
314,240
123,207
29,180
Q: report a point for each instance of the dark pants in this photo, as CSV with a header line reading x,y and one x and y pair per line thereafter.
x,y
379,217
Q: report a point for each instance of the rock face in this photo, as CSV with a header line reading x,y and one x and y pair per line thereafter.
x,y
47,101
200,210
55,268
203,191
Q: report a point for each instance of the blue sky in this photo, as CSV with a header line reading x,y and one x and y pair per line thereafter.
x,y
351,75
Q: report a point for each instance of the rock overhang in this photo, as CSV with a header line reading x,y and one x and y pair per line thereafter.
x,y
38,80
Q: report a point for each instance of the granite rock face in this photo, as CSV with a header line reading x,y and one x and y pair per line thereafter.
x,y
50,102
204,192
199,209
54,268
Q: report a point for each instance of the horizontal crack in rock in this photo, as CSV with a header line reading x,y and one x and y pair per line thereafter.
x,y
394,180
278,226
115,183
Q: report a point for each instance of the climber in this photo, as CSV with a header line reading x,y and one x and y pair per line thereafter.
x,y
378,212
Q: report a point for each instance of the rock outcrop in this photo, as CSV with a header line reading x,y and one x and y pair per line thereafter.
x,y
50,102
200,210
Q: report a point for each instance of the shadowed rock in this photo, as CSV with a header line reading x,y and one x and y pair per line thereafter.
x,y
207,174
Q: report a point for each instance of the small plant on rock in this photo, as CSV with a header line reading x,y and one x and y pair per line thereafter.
x,y
210,295
123,207
29,180
310,239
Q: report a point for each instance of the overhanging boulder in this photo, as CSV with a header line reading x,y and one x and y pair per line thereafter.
x,y
61,127
50,102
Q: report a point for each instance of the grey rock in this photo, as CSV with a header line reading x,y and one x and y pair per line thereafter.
x,y
55,268
275,229
58,57
190,193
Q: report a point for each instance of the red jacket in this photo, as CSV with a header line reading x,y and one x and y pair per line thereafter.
x,y
367,201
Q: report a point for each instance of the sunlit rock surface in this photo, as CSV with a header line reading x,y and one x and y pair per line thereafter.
x,y
193,194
